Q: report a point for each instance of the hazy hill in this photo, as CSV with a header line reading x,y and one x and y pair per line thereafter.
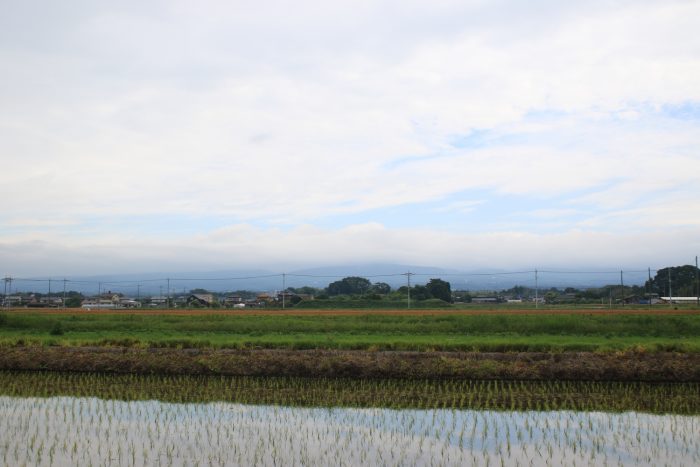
x,y
320,277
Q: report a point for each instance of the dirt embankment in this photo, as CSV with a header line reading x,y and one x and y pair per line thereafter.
x,y
628,366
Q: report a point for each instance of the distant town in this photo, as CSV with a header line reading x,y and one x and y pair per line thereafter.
x,y
670,285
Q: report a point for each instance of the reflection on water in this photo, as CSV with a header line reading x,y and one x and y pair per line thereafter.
x,y
84,431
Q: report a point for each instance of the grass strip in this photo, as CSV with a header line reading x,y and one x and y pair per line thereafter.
x,y
371,331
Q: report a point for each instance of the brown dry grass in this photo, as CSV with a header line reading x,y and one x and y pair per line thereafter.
x,y
589,366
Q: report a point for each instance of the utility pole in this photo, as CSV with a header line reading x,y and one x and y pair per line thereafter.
x,y
48,298
64,293
537,298
138,292
168,302
622,289
5,303
408,288
99,295
284,287
648,291
670,295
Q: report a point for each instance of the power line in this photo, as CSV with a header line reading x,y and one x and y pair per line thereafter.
x,y
137,283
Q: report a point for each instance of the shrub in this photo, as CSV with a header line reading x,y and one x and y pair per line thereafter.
x,y
56,329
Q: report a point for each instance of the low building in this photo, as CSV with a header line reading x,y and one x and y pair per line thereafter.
x,y
484,299
679,300
159,300
265,298
201,299
13,300
99,304
129,303
233,301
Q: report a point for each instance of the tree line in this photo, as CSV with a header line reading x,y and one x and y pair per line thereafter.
x,y
362,287
670,281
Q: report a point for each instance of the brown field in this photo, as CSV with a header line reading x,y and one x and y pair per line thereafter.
x,y
588,366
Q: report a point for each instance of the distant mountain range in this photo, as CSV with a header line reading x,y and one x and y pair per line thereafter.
x,y
266,280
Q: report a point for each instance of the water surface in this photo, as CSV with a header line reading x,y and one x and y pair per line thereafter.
x,y
92,431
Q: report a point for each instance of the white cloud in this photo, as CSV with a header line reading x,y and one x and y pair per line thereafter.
x,y
286,113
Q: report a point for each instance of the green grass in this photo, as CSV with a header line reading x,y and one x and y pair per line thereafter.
x,y
448,331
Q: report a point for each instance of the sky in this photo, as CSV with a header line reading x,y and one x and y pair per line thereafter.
x,y
143,136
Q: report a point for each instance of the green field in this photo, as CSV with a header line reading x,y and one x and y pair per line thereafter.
x,y
371,331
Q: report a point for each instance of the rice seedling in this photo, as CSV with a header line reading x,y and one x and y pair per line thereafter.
x,y
678,398
220,433
102,419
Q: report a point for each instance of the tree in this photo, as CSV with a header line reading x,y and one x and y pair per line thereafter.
x,y
306,290
74,299
551,297
349,286
420,292
245,293
437,288
683,281
381,288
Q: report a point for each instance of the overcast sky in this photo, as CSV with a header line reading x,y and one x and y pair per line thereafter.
x,y
152,136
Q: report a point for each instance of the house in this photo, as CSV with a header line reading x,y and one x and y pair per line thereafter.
x,y
129,303
285,296
159,300
13,300
201,299
233,301
264,298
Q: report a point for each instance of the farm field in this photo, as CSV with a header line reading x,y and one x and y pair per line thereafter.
x,y
429,330
678,398
630,346
94,418
90,431
399,388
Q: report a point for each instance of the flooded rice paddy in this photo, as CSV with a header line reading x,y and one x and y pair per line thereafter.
x,y
91,431
96,419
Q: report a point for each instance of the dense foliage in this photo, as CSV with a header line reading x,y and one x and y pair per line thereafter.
x,y
675,281
349,286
